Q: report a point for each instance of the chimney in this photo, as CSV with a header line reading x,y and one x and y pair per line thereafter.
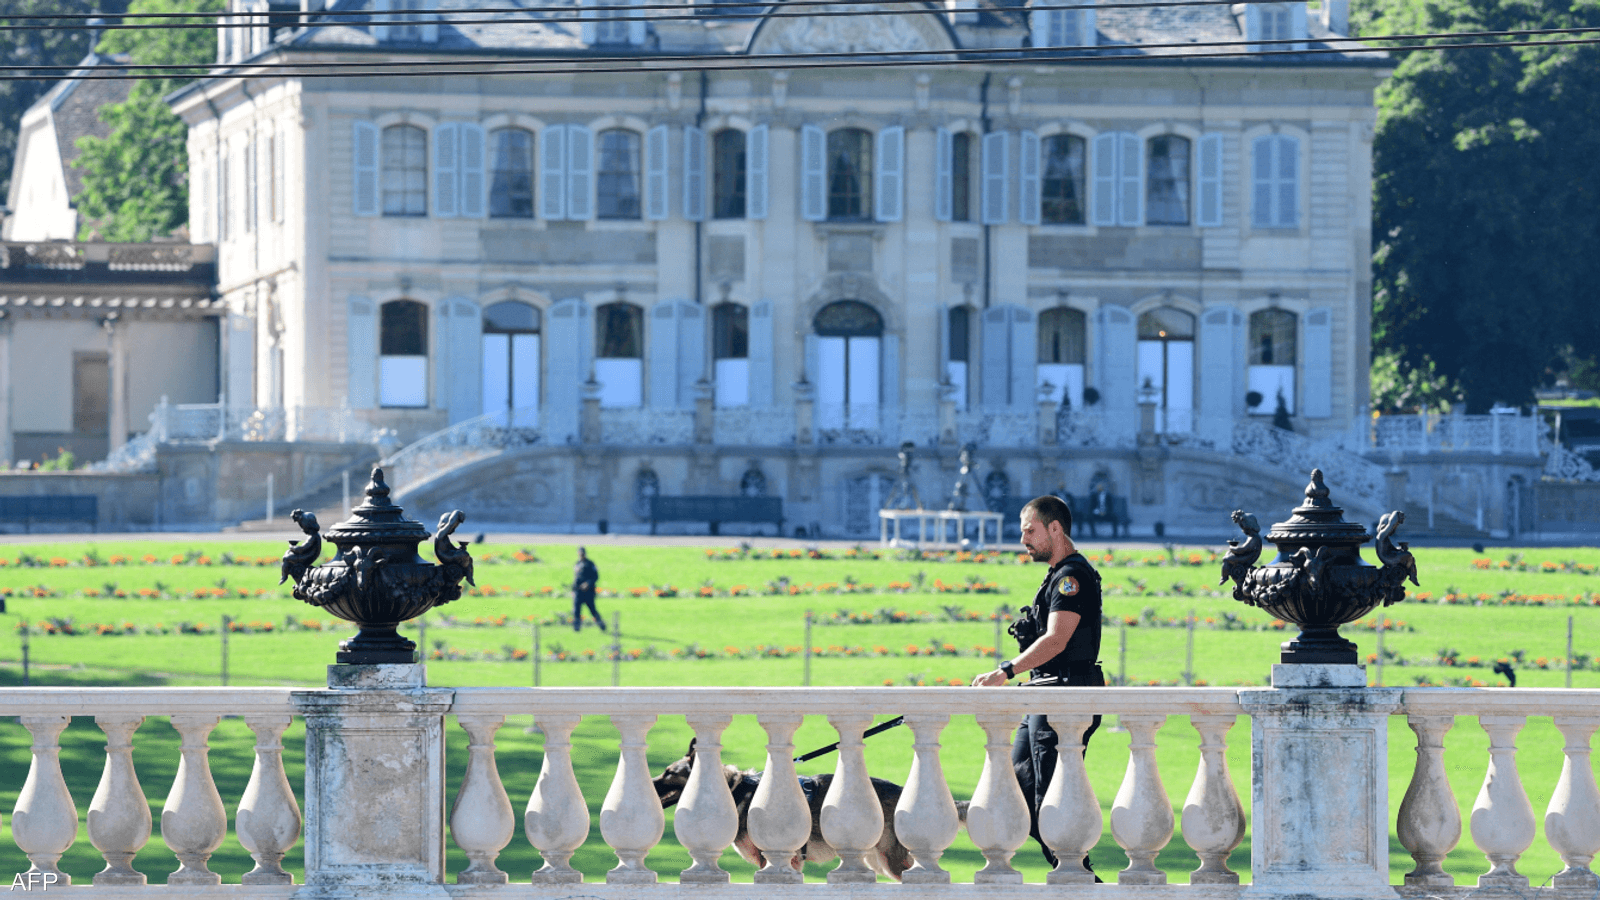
x,y
1336,16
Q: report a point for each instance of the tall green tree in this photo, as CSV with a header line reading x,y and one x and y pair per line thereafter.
x,y
56,46
135,180
1484,203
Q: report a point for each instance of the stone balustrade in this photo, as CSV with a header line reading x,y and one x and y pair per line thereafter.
x,y
357,739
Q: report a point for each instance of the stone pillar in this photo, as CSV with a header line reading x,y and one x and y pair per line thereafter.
x,y
804,397
375,813
704,412
117,427
7,447
589,415
1319,783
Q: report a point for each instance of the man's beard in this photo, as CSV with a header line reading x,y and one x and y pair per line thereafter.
x,y
1041,554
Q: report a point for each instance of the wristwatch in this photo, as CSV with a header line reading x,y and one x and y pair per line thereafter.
x,y
1006,668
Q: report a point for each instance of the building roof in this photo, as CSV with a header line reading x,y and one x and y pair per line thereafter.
x,y
74,106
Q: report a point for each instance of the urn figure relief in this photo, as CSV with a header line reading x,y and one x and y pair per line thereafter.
x,y
1318,581
376,579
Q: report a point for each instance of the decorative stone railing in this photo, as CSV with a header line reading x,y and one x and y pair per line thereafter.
x,y
398,736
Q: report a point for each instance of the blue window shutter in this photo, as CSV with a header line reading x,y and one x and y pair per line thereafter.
x,y
580,173
944,169
889,155
1297,26
691,351
1261,159
1316,401
813,173
655,172
638,28
663,355
1028,180
1210,182
1104,191
553,173
1217,376
1287,172
361,348
566,362
761,353
446,170
1090,37
1130,180
364,165
465,364
755,173
474,187
890,378
996,391
1252,25
996,172
1023,358
694,174
1115,356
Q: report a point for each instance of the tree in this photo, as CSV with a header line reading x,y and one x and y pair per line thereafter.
x,y
1484,198
135,181
56,46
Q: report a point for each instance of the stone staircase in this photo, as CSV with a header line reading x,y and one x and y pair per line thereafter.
x,y
324,500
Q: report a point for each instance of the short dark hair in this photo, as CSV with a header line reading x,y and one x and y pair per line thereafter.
x,y
1049,509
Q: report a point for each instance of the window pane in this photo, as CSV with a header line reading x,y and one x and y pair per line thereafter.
x,y
730,337
619,331
846,318
511,315
961,177
1165,323
621,382
1061,198
960,334
618,175
1270,382
405,329
728,176
1272,338
1167,194
733,382
496,373
405,171
403,381
849,174
511,181
1061,336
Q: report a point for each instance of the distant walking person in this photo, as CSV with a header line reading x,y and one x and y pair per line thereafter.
x,y
584,576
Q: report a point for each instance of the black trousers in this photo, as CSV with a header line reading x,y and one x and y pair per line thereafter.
x,y
1033,756
579,601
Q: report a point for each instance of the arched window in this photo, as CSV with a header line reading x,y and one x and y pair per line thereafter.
x,y
619,354
1272,359
728,174
849,174
961,174
405,171
849,347
617,176
511,358
403,354
1166,366
1062,190
1167,180
957,366
730,350
511,178
1062,338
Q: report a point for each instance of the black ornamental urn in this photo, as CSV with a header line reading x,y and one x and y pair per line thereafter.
x,y
376,579
1318,580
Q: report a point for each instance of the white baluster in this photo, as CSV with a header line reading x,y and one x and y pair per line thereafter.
x,y
119,815
1069,819
268,821
852,817
557,818
706,821
1572,822
997,819
1213,817
1429,821
1502,818
1141,816
780,818
925,819
45,822
481,820
193,821
631,819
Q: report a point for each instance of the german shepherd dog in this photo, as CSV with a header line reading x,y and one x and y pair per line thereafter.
x,y
891,857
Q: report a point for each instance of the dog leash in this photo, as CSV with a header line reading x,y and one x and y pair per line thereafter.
x,y
876,729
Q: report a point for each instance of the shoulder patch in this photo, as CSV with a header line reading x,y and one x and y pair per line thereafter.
x,y
1067,586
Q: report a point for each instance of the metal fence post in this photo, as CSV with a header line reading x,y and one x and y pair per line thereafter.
x,y
226,621
616,649
538,652
806,680
1188,653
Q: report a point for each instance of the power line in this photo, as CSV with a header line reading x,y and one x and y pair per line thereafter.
x,y
872,60
987,54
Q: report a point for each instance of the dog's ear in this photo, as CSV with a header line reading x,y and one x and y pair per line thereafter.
x,y
690,755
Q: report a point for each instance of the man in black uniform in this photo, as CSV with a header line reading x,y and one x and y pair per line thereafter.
x,y
584,576
1059,637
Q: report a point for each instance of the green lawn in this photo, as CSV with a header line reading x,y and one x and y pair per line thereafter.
x,y
750,631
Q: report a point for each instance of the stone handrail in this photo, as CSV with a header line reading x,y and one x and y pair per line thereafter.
x,y
1143,818
461,444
